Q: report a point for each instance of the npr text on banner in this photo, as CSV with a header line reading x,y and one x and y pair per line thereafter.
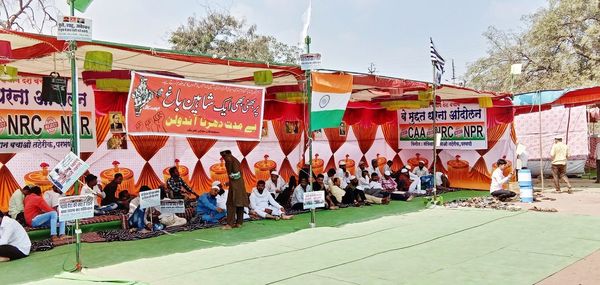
x,y
462,126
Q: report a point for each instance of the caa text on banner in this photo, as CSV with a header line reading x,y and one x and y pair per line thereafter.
x,y
162,105
75,207
29,124
462,126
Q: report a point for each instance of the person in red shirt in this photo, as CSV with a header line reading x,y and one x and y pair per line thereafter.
x,y
39,214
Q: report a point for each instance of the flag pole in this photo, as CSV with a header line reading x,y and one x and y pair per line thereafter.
x,y
434,137
75,133
313,216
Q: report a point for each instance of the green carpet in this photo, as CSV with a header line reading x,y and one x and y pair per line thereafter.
x,y
48,264
438,246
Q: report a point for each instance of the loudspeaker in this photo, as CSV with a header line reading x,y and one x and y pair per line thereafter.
x,y
54,89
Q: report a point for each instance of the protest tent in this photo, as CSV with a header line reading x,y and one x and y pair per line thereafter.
x,y
543,115
370,128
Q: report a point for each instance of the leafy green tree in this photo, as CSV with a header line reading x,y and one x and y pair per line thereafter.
x,y
559,48
222,34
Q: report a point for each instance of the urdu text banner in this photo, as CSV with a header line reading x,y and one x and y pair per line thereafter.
x,y
162,105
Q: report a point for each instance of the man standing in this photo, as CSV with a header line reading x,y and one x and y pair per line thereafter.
x,y
559,154
176,184
237,198
598,162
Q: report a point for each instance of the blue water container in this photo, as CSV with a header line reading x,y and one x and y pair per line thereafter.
x,y
526,185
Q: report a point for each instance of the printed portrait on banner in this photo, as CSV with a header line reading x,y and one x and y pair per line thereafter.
x,y
265,129
116,122
117,141
292,127
342,129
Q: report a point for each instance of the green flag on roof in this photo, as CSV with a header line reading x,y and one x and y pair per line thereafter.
x,y
81,5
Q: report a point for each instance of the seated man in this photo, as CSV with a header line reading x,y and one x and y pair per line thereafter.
x,y
338,193
140,219
14,241
342,174
366,198
415,186
421,170
388,183
375,188
319,185
39,214
498,181
276,185
353,194
222,201
110,190
176,184
388,167
265,206
91,187
441,181
15,204
169,220
51,197
124,199
207,207
298,196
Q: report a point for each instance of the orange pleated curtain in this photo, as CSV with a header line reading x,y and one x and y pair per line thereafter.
x,y
390,134
200,181
147,147
479,174
102,128
8,184
287,142
365,135
249,178
335,142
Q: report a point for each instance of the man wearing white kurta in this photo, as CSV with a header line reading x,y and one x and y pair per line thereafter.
x,y
265,205
276,184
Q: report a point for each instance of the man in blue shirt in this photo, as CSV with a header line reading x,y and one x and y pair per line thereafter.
x,y
207,207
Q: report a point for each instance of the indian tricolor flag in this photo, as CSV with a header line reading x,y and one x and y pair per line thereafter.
x,y
330,96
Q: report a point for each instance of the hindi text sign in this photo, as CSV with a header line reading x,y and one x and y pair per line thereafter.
x,y
67,171
314,199
176,206
75,207
462,126
150,198
74,29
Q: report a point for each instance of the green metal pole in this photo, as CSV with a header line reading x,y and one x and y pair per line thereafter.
x,y
75,133
313,216
434,139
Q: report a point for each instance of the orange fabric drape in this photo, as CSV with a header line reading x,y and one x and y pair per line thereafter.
x,y
335,142
390,133
480,174
287,142
8,184
200,181
439,165
249,178
365,135
147,147
102,128
85,155
397,163
513,133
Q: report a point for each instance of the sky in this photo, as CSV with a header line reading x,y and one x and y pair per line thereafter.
x,y
349,34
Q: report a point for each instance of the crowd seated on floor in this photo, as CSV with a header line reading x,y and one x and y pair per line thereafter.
x,y
273,199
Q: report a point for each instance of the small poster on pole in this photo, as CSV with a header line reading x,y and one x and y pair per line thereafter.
x,y
176,206
314,199
67,171
75,207
74,29
150,198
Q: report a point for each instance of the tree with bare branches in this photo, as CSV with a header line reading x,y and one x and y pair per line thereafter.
x,y
27,15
